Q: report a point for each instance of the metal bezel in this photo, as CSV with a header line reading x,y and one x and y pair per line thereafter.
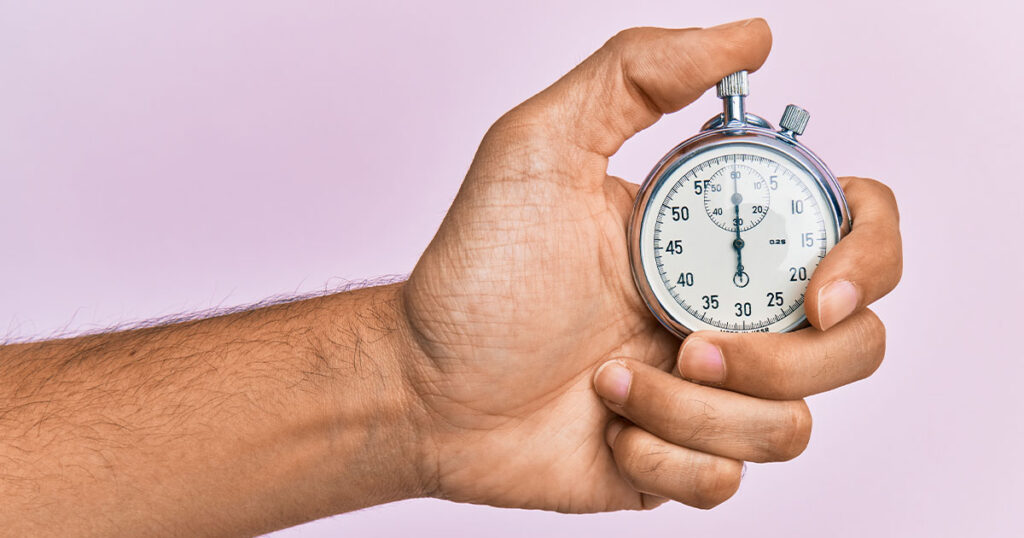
x,y
714,138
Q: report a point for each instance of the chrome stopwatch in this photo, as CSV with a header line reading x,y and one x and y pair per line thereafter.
x,y
730,225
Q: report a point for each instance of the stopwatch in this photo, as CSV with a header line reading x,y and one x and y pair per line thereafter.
x,y
730,225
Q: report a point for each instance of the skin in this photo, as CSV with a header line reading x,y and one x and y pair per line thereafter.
x,y
477,379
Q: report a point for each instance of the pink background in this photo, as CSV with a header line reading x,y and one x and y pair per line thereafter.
x,y
161,158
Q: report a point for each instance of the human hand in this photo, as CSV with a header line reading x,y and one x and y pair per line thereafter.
x,y
525,292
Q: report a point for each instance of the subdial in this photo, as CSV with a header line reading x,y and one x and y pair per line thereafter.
x,y
736,198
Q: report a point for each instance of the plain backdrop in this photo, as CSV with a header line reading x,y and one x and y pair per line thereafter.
x,y
166,157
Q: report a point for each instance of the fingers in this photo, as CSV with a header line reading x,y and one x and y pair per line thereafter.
x,y
703,418
786,366
866,264
639,75
661,469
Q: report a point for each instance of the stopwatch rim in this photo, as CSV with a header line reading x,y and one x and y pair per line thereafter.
x,y
705,141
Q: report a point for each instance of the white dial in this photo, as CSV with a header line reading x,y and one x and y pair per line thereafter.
x,y
731,237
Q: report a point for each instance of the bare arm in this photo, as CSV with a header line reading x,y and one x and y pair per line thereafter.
x,y
235,424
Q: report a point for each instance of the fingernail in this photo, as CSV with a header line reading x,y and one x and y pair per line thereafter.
x,y
734,24
701,360
612,382
836,301
612,431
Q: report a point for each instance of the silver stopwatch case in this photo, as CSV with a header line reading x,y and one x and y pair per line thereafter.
x,y
733,126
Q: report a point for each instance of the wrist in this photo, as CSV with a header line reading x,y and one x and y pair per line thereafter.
x,y
375,423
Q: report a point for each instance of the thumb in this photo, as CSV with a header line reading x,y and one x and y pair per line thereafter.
x,y
637,76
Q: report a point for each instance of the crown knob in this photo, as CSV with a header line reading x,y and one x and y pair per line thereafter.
x,y
794,119
734,85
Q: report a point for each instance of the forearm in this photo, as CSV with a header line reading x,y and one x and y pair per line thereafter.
x,y
235,424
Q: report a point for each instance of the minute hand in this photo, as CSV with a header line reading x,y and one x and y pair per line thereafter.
x,y
738,244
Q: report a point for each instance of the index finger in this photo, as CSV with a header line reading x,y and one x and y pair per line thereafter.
x,y
866,265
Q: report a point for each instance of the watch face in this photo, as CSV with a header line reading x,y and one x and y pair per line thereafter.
x,y
730,237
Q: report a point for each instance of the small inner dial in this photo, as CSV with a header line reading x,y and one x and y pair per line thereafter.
x,y
736,196
744,263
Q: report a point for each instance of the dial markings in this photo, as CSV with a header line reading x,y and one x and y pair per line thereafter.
x,y
780,239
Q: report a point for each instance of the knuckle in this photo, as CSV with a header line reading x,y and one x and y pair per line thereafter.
x,y
878,188
792,431
696,419
881,191
520,143
637,457
898,270
642,51
716,481
887,256
697,59
870,331
884,191
878,349
629,51
630,37
887,193
520,122
893,252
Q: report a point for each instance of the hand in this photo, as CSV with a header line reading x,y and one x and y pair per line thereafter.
x,y
525,292
494,375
